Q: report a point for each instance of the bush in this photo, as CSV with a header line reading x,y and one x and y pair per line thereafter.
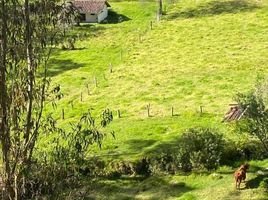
x,y
255,119
63,47
252,150
138,167
163,162
91,167
47,180
264,183
197,149
241,151
142,167
119,168
71,43
231,153
200,148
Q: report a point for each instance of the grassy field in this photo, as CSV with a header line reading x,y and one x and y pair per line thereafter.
x,y
201,53
195,186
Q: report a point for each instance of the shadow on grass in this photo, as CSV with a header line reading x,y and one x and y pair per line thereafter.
x,y
60,66
151,188
136,145
215,8
115,18
260,179
165,147
87,27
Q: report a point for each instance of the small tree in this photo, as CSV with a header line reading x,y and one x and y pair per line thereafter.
x,y
255,120
29,31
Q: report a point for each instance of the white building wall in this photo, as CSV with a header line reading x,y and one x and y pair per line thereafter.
x,y
94,18
103,14
91,18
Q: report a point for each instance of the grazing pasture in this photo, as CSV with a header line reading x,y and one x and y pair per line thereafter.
x,y
204,186
198,56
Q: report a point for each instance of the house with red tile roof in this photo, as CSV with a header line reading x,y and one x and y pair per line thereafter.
x,y
92,11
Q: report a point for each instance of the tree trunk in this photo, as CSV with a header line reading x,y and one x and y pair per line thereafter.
x,y
31,68
160,7
4,128
23,40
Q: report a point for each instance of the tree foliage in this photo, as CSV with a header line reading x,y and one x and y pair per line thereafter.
x,y
70,146
201,148
255,120
29,31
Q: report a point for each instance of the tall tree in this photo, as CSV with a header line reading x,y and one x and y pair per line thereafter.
x,y
29,31
4,128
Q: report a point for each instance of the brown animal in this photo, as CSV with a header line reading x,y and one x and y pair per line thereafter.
x,y
240,175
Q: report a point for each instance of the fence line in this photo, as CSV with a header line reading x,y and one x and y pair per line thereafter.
x,y
147,110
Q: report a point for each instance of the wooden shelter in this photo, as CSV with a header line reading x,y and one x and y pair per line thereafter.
x,y
235,113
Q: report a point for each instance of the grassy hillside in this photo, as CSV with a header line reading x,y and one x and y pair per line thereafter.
x,y
196,186
200,54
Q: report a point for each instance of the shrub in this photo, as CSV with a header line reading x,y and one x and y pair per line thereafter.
x,y
91,167
63,47
182,159
255,121
197,149
252,150
200,148
163,162
120,167
142,167
264,183
138,167
71,43
47,180
242,150
231,153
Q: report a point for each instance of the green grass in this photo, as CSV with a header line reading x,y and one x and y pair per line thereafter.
x,y
200,54
203,186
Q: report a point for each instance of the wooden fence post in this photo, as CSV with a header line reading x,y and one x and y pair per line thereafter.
x,y
62,113
118,113
81,96
111,68
148,110
95,81
151,25
88,92
201,110
121,54
172,111
104,77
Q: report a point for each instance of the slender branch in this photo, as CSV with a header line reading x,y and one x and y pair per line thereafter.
x,y
32,140
31,68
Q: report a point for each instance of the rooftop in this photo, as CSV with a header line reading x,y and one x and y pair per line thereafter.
x,y
90,6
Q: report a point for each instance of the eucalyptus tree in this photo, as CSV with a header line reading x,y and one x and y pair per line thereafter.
x,y
29,31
